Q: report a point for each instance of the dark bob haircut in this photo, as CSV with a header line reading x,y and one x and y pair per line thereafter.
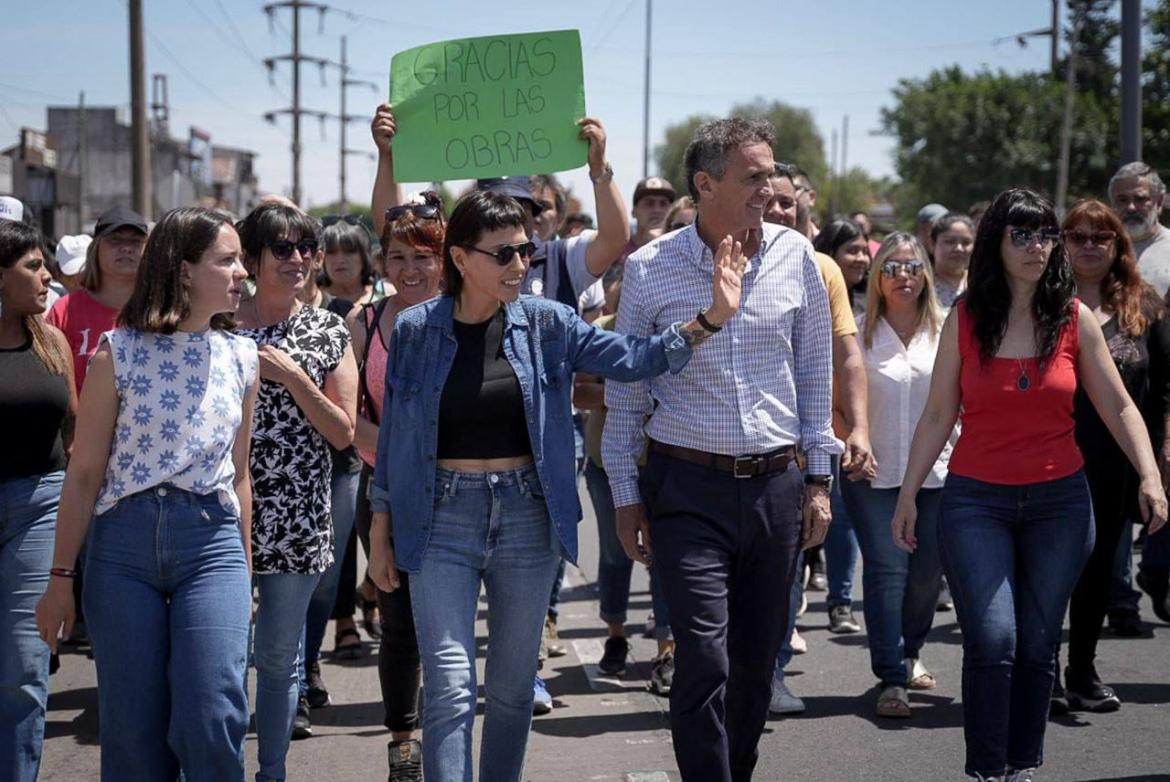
x,y
989,298
270,223
477,213
160,301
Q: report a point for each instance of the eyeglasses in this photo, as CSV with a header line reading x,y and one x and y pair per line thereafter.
x,y
421,211
282,249
1025,237
329,220
505,254
1080,238
892,269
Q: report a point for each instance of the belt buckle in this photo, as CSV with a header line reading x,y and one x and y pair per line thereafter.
x,y
750,461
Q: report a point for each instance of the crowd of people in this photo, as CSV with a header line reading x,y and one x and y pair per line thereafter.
x,y
214,413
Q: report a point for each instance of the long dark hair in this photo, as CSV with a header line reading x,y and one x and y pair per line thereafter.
x,y
836,235
346,238
160,302
989,299
16,241
478,212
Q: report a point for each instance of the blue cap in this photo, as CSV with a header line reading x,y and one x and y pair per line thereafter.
x,y
515,186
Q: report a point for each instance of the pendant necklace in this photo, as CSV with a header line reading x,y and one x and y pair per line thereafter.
x,y
1022,382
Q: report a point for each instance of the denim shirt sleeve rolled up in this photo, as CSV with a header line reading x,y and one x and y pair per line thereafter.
x,y
545,343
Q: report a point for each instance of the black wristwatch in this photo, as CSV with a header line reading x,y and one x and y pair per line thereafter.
x,y
706,324
823,481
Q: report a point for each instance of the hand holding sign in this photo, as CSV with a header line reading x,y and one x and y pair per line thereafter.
x,y
592,132
492,106
383,128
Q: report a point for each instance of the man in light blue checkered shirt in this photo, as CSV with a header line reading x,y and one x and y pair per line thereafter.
x,y
720,510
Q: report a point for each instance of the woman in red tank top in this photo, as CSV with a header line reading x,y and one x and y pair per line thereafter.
x,y
412,244
1017,523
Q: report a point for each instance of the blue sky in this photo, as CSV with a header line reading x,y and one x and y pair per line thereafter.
x,y
834,57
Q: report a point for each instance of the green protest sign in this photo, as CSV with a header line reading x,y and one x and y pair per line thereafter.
x,y
492,106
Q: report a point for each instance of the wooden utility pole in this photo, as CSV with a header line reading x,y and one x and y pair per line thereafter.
x,y
1070,87
141,189
82,155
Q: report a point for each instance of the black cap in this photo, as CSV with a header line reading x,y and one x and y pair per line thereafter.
x,y
118,217
515,186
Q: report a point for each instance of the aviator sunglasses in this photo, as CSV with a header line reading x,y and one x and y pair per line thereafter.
x,y
892,269
506,253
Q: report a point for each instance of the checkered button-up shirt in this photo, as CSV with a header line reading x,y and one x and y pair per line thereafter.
x,y
762,383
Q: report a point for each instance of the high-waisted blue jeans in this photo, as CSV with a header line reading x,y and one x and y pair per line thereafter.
x,y
901,590
168,604
1012,555
28,519
491,530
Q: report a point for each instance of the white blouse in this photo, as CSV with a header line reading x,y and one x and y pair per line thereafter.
x,y
898,379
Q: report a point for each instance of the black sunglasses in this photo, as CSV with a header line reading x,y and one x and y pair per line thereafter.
x,y
421,211
329,220
506,253
282,249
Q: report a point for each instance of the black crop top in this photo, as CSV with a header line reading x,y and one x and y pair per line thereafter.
x,y
33,404
481,411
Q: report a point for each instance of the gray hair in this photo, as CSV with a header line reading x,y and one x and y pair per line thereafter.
x,y
1139,169
708,149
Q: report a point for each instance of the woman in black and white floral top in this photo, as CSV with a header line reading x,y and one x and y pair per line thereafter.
x,y
307,402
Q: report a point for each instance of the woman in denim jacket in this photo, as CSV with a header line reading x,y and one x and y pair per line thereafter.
x,y
475,469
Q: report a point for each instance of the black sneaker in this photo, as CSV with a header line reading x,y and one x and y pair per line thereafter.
x,y
302,726
613,662
1125,624
405,761
841,620
1157,586
662,675
317,695
1087,693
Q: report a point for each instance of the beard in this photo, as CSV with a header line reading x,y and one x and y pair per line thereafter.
x,y
1140,226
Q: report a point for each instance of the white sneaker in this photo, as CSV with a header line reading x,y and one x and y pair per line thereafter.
x,y
783,701
799,645
1023,775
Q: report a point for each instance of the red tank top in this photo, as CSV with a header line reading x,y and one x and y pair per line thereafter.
x,y
1013,436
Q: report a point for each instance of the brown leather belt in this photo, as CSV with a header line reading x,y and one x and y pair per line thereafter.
x,y
736,466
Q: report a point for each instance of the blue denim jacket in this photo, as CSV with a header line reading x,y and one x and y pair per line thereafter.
x,y
545,342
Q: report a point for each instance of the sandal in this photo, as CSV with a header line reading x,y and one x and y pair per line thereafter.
x,y
347,644
919,678
893,702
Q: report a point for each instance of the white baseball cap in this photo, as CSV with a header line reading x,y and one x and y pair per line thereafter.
x,y
71,253
11,209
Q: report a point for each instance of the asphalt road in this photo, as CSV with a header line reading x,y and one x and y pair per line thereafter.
x,y
610,729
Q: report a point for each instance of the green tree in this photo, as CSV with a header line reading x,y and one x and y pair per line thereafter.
x,y
797,140
1099,28
962,138
1156,89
